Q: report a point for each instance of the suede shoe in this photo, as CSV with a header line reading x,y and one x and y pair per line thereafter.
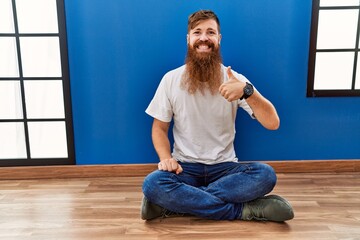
x,y
268,208
150,211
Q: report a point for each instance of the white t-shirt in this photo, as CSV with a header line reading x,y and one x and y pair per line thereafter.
x,y
204,124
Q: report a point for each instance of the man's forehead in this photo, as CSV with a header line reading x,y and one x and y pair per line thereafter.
x,y
213,24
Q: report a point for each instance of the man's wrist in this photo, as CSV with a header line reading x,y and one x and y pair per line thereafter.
x,y
248,91
164,158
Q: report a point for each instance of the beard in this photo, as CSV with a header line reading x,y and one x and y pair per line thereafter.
x,y
203,70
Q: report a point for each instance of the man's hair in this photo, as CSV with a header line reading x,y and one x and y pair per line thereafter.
x,y
202,15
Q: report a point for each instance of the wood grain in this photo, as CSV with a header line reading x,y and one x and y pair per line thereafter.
x,y
327,206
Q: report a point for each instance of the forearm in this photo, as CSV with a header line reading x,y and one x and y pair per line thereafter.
x,y
264,111
161,142
162,146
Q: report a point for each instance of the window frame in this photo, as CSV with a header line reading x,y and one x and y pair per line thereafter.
x,y
311,92
65,78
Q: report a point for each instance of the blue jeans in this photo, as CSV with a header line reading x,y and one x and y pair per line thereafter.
x,y
210,191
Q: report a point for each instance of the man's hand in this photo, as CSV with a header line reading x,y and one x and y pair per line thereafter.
x,y
170,165
233,88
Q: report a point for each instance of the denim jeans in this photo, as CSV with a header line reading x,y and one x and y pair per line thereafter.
x,y
210,191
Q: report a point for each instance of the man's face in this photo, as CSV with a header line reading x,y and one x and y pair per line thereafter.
x,y
204,37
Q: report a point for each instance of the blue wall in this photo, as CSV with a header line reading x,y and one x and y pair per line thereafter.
x,y
120,49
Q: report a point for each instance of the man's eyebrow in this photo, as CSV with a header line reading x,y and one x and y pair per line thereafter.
x,y
210,28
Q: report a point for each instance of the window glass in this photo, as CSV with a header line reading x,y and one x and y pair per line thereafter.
x,y
6,17
333,70
40,56
8,57
333,3
337,29
357,82
10,100
12,140
44,99
37,16
47,140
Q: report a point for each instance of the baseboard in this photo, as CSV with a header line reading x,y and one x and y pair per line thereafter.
x,y
141,170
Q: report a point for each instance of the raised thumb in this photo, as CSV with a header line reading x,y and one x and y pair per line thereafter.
x,y
229,73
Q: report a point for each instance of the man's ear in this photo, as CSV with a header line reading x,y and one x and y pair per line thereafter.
x,y
220,38
187,38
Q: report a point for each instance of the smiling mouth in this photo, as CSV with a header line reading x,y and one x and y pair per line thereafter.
x,y
204,46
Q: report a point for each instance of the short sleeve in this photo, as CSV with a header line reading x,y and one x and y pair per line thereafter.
x,y
160,106
244,105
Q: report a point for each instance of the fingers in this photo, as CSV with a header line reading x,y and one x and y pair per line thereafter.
x,y
232,89
174,165
179,169
163,166
225,92
170,165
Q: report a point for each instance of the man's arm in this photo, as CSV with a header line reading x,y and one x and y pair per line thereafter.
x,y
161,143
263,109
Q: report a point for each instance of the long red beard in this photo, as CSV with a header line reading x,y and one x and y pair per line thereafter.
x,y
203,70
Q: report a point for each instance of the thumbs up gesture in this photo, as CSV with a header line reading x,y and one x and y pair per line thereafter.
x,y
233,88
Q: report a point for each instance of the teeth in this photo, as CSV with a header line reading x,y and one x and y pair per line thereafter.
x,y
203,47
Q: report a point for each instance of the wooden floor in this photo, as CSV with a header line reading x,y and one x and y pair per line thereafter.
x,y
327,206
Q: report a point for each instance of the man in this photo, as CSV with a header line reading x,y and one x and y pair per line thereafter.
x,y
202,176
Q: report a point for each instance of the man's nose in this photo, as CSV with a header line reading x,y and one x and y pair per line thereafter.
x,y
204,37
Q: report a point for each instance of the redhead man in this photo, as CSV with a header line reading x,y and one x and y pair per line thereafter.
x,y
201,175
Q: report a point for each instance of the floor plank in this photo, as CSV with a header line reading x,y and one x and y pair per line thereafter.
x,y
327,206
